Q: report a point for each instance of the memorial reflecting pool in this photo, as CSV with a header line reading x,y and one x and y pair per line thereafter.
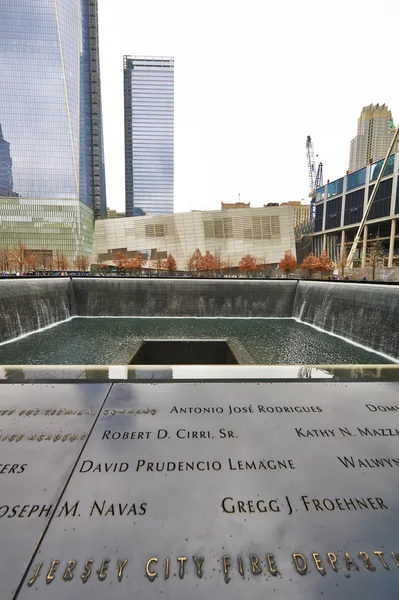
x,y
114,341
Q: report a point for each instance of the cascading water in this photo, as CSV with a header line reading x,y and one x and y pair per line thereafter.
x,y
184,297
362,313
27,305
366,314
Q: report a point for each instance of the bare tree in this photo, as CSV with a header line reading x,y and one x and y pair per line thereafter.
x,y
82,262
18,256
375,255
4,259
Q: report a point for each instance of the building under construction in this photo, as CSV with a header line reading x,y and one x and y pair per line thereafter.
x,y
340,205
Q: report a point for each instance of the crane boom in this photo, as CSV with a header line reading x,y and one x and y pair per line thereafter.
x,y
311,163
351,254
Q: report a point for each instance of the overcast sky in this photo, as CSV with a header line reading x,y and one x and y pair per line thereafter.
x,y
253,78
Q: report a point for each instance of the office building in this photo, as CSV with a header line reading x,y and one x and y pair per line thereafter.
x,y
6,180
51,151
340,206
149,134
228,205
301,211
265,233
375,130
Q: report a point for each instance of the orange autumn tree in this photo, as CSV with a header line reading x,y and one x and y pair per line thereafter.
x,y
324,263
195,261
31,261
288,262
169,263
120,260
310,264
247,263
138,262
208,262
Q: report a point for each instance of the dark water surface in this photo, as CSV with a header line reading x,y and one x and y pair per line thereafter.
x,y
113,341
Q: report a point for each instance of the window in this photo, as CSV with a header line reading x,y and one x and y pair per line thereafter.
x,y
333,213
320,194
376,168
335,187
355,179
318,222
219,228
382,202
354,203
155,230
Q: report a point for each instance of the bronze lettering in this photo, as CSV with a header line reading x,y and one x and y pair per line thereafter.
x,y
87,572
381,557
317,562
121,565
182,560
35,574
151,574
102,571
396,558
198,564
367,562
240,567
53,567
301,568
226,564
68,575
166,569
350,562
333,560
255,568
271,564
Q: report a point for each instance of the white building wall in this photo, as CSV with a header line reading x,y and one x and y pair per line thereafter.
x,y
265,233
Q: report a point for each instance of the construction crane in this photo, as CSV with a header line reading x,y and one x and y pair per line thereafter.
x,y
349,260
315,177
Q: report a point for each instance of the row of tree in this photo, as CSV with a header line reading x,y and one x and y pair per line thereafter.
x,y
322,263
209,263
135,264
20,258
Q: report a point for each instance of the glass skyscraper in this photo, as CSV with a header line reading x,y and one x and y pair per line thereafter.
x,y
149,134
51,152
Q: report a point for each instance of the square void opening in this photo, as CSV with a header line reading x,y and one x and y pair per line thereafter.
x,y
184,352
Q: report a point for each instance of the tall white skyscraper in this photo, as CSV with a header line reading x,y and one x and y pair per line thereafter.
x,y
375,130
149,134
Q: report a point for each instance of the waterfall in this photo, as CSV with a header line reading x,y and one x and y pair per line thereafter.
x,y
183,297
364,313
27,305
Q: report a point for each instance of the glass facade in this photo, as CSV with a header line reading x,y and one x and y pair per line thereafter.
x,y
376,168
320,194
318,222
149,134
397,198
50,144
382,202
355,179
354,204
333,213
335,187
